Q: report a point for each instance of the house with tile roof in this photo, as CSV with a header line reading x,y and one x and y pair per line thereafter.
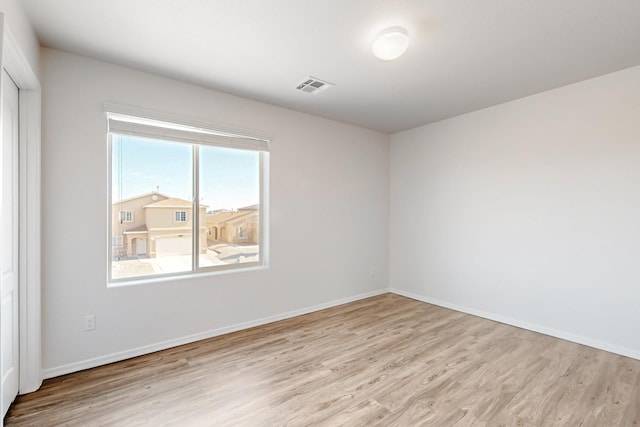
x,y
240,226
154,225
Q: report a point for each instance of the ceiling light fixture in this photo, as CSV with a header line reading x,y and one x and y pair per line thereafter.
x,y
391,43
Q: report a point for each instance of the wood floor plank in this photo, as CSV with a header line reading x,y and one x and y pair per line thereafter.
x,y
386,360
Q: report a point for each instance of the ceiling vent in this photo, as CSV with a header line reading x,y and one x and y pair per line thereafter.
x,y
313,85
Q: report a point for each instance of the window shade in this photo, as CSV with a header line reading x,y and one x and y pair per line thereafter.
x,y
123,124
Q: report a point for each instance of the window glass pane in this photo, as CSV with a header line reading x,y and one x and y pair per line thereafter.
x,y
230,206
151,181
155,230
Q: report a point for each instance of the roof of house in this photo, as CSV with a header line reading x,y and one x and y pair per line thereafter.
x,y
152,193
140,229
230,216
172,202
250,208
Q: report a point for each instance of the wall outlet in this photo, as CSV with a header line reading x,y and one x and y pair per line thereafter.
x,y
372,272
89,322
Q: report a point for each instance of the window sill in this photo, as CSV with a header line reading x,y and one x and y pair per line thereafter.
x,y
184,276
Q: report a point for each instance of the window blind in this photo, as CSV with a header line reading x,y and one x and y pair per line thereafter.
x,y
170,130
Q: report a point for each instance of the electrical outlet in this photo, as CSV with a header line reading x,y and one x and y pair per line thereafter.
x,y
89,322
372,272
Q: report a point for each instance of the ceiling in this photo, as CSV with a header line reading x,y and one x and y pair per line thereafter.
x,y
464,54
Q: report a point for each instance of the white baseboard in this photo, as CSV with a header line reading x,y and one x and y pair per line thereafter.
x,y
623,351
139,351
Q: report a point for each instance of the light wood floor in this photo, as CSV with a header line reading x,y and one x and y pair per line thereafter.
x,y
386,360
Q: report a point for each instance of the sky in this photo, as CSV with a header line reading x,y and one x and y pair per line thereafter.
x,y
229,179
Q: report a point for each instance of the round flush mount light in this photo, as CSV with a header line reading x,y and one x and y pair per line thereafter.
x,y
391,43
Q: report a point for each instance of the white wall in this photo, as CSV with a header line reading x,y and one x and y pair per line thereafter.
x,y
329,218
528,212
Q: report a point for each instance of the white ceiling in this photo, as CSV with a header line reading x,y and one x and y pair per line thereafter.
x,y
463,55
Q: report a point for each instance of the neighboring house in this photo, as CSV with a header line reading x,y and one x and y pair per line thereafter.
x,y
240,226
155,225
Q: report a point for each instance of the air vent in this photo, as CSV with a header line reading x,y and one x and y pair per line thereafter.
x,y
313,85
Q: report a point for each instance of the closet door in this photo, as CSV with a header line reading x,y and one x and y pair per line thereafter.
x,y
9,265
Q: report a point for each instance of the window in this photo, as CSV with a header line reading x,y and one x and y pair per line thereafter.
x,y
188,179
181,216
126,216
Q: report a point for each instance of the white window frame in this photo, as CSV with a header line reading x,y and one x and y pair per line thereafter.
x,y
134,121
117,241
179,215
126,216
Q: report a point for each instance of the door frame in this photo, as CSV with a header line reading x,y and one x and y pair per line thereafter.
x,y
18,67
